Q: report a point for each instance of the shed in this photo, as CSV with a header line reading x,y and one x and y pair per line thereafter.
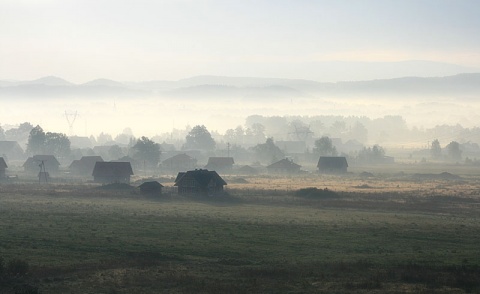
x,y
85,165
151,187
222,164
3,166
284,166
112,172
199,181
332,164
32,165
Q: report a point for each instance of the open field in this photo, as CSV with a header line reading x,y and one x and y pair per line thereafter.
x,y
385,234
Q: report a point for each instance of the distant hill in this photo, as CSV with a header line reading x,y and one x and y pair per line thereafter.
x,y
461,86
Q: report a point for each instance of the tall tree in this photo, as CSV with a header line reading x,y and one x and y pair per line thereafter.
x,y
436,149
147,151
324,146
57,144
453,151
268,152
199,138
36,141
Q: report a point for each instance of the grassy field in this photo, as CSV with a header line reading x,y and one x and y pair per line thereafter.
x,y
374,235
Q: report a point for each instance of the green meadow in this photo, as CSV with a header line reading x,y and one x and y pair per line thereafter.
x,y
82,239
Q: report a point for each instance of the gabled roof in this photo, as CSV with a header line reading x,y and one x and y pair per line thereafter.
x,y
150,185
201,176
91,159
3,164
112,169
285,164
220,161
332,162
247,169
47,159
179,158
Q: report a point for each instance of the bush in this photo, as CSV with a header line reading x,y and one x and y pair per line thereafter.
x,y
316,193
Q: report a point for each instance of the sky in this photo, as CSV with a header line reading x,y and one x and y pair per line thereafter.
x,y
126,40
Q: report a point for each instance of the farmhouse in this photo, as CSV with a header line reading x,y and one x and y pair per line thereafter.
x,y
179,162
32,165
3,166
332,164
199,181
151,188
112,172
284,166
85,165
221,164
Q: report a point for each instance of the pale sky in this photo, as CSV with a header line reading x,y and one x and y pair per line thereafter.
x,y
128,40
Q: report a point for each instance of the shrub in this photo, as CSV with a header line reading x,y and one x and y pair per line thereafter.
x,y
316,193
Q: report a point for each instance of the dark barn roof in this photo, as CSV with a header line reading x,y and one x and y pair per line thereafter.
x,y
112,169
332,162
219,162
284,164
201,176
151,187
50,159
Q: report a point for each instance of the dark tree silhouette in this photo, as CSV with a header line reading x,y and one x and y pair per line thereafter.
x,y
324,146
453,151
199,138
436,149
36,141
268,152
147,151
57,144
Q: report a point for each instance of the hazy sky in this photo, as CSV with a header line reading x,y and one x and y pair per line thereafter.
x,y
146,40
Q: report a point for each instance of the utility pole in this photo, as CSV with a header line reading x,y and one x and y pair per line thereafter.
x,y
228,149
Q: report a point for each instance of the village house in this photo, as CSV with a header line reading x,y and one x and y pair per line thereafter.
x,y
246,170
220,164
200,182
332,165
151,188
3,166
50,164
179,162
84,166
112,172
284,166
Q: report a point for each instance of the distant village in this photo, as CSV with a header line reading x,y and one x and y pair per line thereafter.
x,y
202,157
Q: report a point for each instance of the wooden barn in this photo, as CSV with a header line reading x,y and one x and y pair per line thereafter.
x,y
179,162
151,188
284,166
85,165
112,172
199,181
3,166
221,164
32,165
332,165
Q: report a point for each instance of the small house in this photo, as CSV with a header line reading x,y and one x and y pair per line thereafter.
x,y
247,170
151,188
85,165
221,164
284,166
199,181
3,166
179,162
332,165
49,162
112,172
